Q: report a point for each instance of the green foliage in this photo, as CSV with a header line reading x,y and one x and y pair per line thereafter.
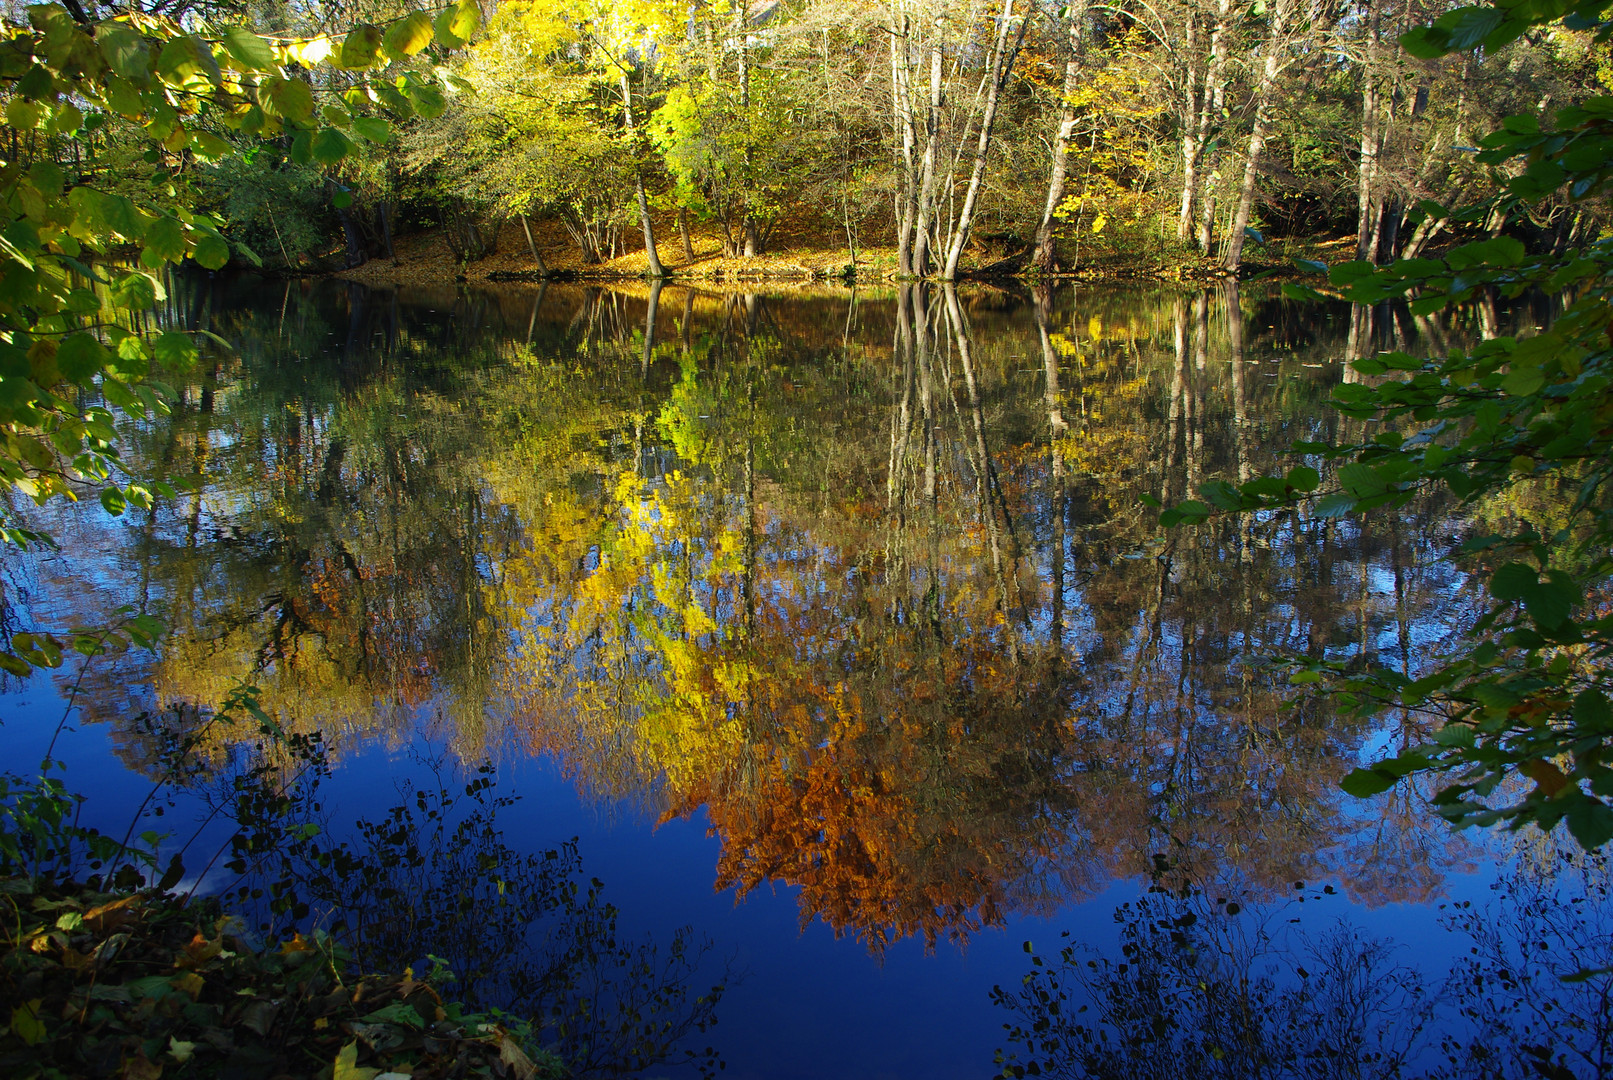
x,y
1526,695
71,348
139,984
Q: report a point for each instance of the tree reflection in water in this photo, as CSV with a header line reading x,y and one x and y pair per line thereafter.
x,y
1204,986
433,886
865,580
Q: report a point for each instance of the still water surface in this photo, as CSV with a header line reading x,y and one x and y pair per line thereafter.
x,y
831,624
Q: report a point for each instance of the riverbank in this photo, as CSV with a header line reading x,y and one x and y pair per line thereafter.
x,y
425,258
141,985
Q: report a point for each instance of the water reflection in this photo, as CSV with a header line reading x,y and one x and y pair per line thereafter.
x,y
1206,986
865,577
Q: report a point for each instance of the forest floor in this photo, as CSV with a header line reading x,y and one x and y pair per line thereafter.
x,y
794,255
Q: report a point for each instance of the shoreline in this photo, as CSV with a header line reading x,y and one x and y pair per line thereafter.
x,y
424,259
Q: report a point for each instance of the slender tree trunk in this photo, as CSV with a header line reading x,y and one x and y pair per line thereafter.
x,y
1002,64
683,234
924,224
1367,169
1191,143
537,260
654,269
902,115
1213,101
384,212
1257,135
1042,258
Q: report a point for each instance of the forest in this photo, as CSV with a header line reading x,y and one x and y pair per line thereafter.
x,y
915,138
931,604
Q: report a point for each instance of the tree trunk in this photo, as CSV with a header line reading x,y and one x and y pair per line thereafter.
x,y
902,114
537,260
683,234
1191,144
1212,102
1042,259
1002,63
1257,135
1366,171
654,269
384,211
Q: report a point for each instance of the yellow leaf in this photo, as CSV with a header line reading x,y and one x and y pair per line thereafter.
x,y
346,1065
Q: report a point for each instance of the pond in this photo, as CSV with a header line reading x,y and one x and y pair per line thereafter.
x,y
832,625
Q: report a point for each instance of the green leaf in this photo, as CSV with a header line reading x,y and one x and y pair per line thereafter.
x,y
1303,478
360,47
174,349
372,128
165,242
1523,381
289,99
1591,821
80,357
212,251
125,51
1364,783
1334,505
1361,481
330,146
426,100
1513,581
408,36
1552,601
456,24
248,49
136,291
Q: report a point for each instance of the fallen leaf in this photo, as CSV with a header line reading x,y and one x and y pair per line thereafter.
x,y
25,1022
347,1068
180,1049
113,915
512,1055
140,1067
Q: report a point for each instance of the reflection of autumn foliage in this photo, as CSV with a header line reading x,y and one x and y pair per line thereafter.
x,y
870,583
911,801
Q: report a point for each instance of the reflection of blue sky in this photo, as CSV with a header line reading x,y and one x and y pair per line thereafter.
x,y
813,1005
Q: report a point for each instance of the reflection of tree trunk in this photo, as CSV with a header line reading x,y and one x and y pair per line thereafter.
x,y
330,475
650,314
537,302
984,472
1042,302
932,509
1195,391
1242,448
895,499
1168,491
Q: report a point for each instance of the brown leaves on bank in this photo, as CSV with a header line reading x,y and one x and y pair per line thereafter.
x,y
142,986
